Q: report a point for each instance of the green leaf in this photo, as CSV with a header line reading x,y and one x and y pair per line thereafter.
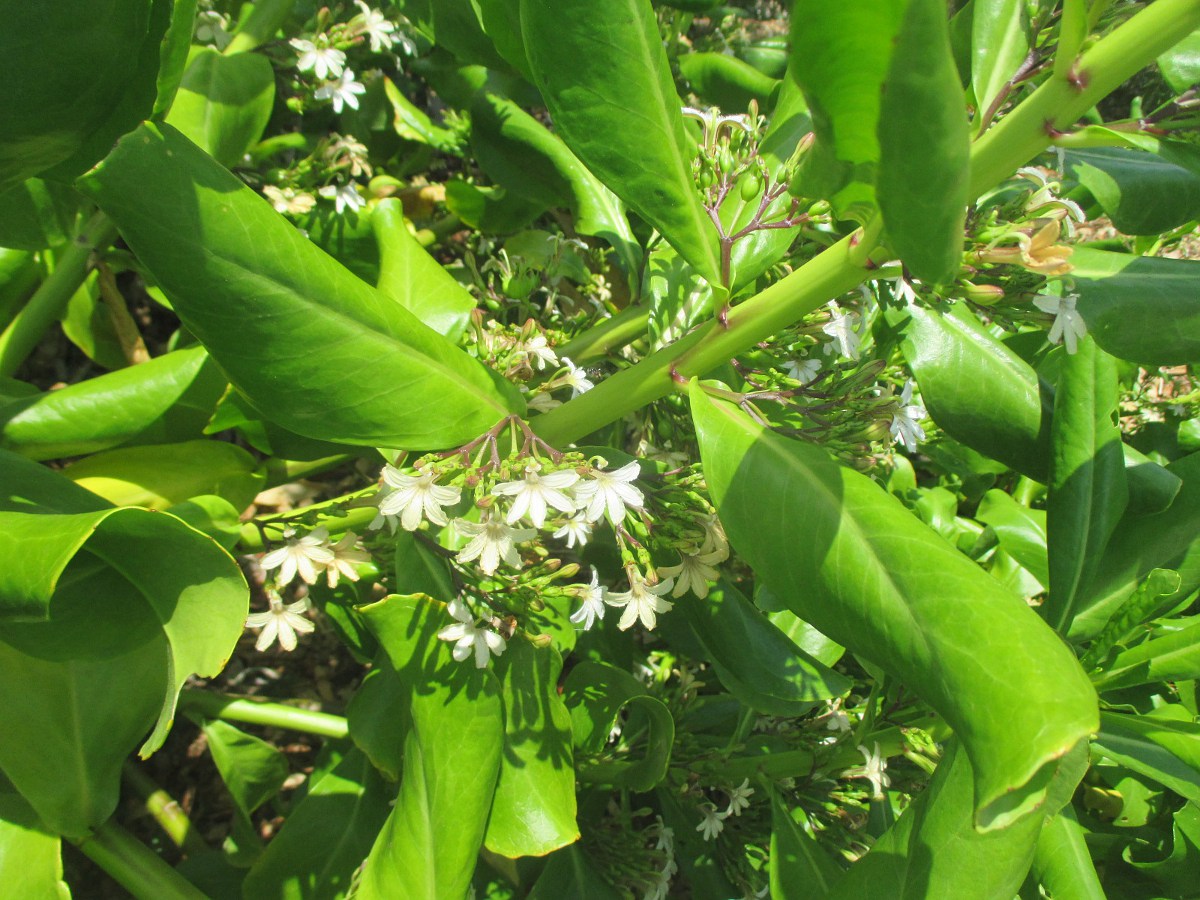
x,y
602,69
1125,301
279,316
1020,530
1161,749
1180,66
224,102
999,44
924,148
321,843
378,718
1172,657
413,278
1088,492
533,811
777,678
252,769
452,754
30,855
999,410
158,477
1141,193
727,82
501,21
933,850
1063,862
595,693
166,399
1144,604
199,600
36,214
571,873
1142,543
873,578
799,865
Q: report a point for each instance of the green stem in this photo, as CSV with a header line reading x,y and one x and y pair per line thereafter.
x,y
626,326
165,810
46,305
263,712
251,540
135,866
284,471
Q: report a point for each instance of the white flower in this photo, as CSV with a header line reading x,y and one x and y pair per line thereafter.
x,y
534,493
843,328
739,798
342,91
343,196
694,572
610,493
714,537
346,152
906,427
593,596
345,555
325,61
470,638
575,378
802,369
413,495
542,402
538,348
375,26
491,543
282,622
874,770
838,721
289,201
305,556
576,530
902,290
712,823
1068,326
642,601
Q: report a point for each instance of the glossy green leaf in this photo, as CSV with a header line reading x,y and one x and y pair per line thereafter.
x,y
1020,530
1142,543
1180,66
452,754
1088,492
999,410
727,82
1125,301
1063,863
252,769
30,855
413,124
602,69
88,324
1151,487
1161,749
1172,657
501,21
924,147
279,316
325,836
166,399
799,864
413,278
36,214
872,577
999,44
933,850
595,693
533,811
1141,193
224,102
378,718
199,601
494,210
456,26
158,477
777,678
570,872
1175,874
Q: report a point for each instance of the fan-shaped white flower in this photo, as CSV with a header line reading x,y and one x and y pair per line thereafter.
x,y
1069,327
324,61
843,328
346,554
539,349
415,495
376,27
739,798
470,638
492,542
642,601
593,596
280,623
874,770
534,493
610,493
694,572
344,196
712,822
906,422
802,369
575,378
341,91
303,556
577,530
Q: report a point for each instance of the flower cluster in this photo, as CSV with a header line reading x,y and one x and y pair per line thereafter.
x,y
712,820
311,554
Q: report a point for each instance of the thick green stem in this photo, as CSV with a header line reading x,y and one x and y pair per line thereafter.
x,y
1013,142
263,712
285,471
165,810
135,866
48,302
626,326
